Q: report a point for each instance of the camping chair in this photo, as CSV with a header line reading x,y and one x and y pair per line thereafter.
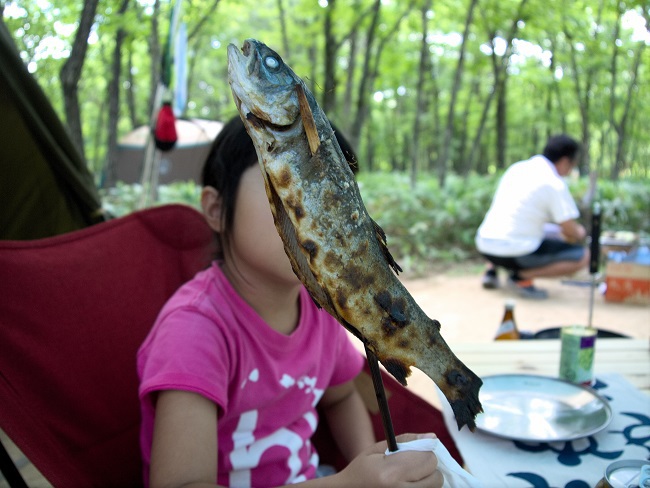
x,y
74,310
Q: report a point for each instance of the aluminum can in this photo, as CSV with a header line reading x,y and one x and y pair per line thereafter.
x,y
577,354
628,473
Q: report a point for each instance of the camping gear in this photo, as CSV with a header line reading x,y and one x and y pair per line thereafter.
x,y
181,163
45,187
165,132
72,317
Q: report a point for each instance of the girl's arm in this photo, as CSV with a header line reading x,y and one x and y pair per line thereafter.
x,y
348,419
184,450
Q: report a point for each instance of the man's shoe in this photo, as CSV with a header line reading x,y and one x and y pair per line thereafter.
x,y
526,289
532,292
490,280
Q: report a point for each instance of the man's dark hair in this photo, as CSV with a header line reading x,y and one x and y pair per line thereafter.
x,y
559,146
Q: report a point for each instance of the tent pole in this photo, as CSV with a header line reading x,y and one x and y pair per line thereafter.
x,y
150,153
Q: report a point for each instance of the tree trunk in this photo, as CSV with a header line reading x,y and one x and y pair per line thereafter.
x,y
558,96
286,55
369,158
500,70
501,122
478,137
434,147
99,142
583,92
114,99
331,47
463,161
130,97
621,125
349,83
362,90
371,67
154,56
447,141
420,108
70,74
312,49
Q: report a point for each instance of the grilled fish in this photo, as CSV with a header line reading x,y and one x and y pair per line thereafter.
x,y
335,248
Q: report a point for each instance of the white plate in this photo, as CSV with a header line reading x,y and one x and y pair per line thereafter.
x,y
540,409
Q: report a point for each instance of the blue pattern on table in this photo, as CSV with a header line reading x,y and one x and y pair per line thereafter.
x,y
577,464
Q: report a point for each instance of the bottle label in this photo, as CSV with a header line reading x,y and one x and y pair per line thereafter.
x,y
506,327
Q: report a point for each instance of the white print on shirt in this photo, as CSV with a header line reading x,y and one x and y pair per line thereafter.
x,y
247,450
306,383
253,377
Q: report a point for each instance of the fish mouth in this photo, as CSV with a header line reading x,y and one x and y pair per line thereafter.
x,y
243,67
258,119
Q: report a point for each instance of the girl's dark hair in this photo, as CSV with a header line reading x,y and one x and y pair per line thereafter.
x,y
231,154
559,146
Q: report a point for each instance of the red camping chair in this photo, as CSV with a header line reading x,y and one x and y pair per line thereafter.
x,y
73,312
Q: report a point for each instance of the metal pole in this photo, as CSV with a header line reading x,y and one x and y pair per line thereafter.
x,y
594,263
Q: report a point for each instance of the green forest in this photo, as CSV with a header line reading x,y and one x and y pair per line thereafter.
x,y
463,86
436,98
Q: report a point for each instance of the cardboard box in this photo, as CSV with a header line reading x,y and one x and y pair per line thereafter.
x,y
627,282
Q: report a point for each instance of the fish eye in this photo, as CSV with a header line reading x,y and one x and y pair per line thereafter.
x,y
271,62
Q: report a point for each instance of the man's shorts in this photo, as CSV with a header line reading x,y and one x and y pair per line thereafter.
x,y
549,251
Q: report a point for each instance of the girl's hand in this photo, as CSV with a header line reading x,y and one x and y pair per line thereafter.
x,y
402,469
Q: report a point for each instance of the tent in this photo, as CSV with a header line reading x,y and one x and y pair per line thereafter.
x,y
182,163
45,186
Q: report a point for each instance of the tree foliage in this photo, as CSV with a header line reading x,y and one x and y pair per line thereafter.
x,y
529,68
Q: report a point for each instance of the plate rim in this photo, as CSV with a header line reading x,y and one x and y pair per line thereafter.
x,y
588,389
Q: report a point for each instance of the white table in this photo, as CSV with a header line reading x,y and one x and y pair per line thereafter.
x,y
628,357
623,368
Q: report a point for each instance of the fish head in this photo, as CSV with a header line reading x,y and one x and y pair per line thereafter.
x,y
264,89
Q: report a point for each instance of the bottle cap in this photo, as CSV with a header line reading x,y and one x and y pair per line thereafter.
x,y
510,303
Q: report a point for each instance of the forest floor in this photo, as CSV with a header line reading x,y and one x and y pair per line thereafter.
x,y
468,313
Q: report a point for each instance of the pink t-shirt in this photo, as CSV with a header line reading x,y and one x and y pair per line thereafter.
x,y
266,385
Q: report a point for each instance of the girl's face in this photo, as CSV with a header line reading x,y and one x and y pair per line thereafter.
x,y
254,246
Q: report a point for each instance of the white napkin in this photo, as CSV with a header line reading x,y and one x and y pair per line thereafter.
x,y
455,476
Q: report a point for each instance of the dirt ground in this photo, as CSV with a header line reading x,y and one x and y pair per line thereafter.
x,y
468,313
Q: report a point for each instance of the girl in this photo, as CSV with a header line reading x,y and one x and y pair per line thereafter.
x,y
240,356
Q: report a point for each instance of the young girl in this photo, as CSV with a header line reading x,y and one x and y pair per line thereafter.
x,y
240,356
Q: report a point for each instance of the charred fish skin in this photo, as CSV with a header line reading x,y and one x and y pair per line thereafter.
x,y
334,246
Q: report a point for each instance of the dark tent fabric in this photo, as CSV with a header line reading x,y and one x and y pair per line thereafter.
x,y
45,186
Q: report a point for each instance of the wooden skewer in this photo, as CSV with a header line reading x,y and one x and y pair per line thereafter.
x,y
308,120
378,383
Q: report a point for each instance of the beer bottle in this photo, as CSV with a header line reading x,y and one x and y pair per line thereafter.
x,y
508,329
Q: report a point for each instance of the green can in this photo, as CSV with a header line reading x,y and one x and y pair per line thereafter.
x,y
577,354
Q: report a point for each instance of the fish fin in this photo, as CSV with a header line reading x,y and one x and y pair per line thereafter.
x,y
399,371
381,238
308,119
